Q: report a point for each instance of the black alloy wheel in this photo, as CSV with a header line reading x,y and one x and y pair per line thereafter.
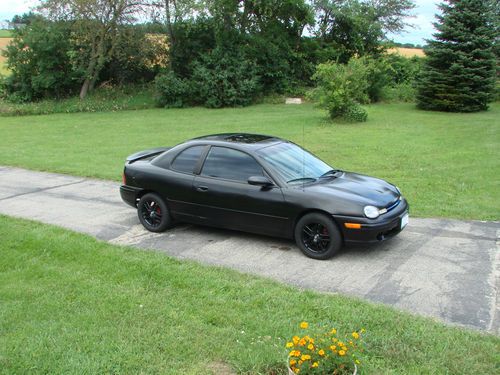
x,y
318,236
153,213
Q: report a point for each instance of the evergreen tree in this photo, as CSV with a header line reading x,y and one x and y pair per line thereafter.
x,y
459,73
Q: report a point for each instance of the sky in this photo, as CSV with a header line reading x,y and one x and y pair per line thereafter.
x,y
424,16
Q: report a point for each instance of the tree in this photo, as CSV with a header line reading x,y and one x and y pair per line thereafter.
x,y
348,28
38,61
459,71
97,25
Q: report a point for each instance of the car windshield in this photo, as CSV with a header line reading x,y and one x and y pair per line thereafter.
x,y
294,164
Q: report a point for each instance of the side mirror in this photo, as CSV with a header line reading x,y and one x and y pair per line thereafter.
x,y
260,181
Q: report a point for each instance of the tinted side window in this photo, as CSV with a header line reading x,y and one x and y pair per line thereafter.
x,y
230,164
187,159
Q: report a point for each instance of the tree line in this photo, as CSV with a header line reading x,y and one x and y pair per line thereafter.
x,y
213,52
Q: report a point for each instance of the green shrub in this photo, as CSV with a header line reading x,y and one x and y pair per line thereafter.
x,y
403,69
355,113
172,91
378,76
341,88
38,58
224,79
403,92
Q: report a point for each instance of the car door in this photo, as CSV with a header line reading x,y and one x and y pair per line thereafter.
x,y
226,199
174,181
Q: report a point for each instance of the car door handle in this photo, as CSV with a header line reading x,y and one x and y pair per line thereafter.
x,y
202,188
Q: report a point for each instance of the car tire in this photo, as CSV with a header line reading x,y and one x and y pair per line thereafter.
x,y
318,236
153,213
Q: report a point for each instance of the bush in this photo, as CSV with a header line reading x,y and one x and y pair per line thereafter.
x,y
172,91
341,88
378,76
38,59
225,79
355,113
403,92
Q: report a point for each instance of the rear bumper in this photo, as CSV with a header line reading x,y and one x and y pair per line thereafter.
x,y
380,229
129,194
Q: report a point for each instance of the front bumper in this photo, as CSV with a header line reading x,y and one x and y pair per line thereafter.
x,y
373,230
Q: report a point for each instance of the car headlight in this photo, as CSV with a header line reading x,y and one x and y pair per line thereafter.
x,y
371,212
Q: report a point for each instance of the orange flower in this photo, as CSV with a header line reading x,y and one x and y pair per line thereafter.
x,y
321,352
310,347
304,325
315,364
295,340
341,352
302,342
305,357
289,344
355,335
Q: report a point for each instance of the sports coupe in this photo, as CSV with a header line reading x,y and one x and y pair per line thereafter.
x,y
261,184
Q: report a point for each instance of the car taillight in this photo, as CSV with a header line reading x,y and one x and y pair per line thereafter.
x,y
124,180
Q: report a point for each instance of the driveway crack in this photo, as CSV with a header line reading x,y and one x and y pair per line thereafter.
x,y
39,190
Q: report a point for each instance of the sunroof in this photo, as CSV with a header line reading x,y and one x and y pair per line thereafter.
x,y
238,137
247,138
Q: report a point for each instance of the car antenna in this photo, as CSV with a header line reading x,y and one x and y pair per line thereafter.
x,y
303,158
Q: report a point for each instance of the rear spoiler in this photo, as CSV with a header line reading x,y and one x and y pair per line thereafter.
x,y
146,153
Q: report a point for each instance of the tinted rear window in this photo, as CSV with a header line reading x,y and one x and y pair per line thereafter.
x,y
186,161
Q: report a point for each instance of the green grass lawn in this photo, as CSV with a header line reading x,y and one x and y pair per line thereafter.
x,y
5,33
70,304
101,99
446,164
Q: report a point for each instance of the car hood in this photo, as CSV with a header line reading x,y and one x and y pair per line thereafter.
x,y
361,189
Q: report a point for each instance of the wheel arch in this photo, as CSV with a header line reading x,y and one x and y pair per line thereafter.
x,y
143,192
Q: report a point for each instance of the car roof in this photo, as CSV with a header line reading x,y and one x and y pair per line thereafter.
x,y
243,140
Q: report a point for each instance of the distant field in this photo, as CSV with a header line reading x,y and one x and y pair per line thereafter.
x,y
407,52
5,33
3,43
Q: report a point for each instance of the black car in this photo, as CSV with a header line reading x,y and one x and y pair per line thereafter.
x,y
261,184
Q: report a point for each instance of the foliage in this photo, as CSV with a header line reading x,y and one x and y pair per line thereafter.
x,y
357,28
403,69
39,63
103,98
392,77
173,91
96,29
138,56
26,18
193,38
401,92
378,77
424,145
225,79
355,113
459,71
342,88
323,351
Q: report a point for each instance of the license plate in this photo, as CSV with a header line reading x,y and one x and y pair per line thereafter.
x,y
404,220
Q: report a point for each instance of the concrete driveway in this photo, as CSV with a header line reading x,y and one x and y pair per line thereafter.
x,y
446,269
